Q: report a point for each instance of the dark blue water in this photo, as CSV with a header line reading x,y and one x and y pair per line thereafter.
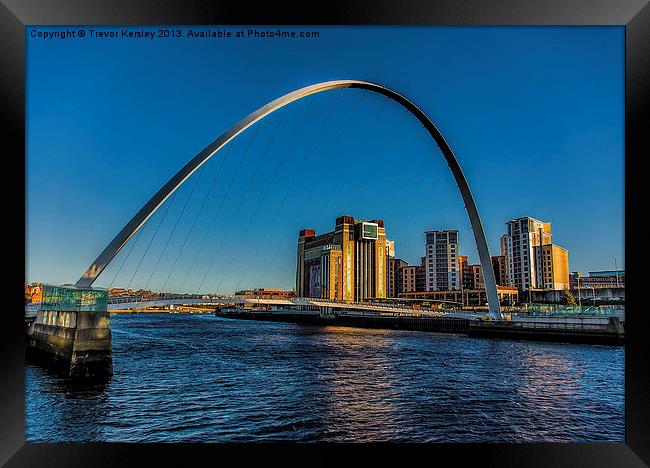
x,y
189,378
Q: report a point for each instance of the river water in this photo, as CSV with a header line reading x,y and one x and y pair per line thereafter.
x,y
196,377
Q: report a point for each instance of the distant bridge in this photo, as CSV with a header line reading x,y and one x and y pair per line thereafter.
x,y
373,308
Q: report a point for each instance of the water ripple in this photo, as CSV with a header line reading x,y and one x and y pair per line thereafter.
x,y
193,378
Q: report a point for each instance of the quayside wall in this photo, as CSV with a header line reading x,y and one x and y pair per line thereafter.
x,y
603,330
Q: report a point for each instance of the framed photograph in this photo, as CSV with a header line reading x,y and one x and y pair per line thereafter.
x,y
387,228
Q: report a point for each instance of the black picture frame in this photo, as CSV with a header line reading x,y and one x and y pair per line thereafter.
x,y
634,15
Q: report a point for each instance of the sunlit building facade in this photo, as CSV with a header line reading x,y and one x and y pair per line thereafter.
x,y
553,266
472,276
392,275
442,267
406,278
533,261
500,268
348,263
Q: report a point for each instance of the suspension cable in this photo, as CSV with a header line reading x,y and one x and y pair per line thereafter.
x,y
230,185
174,228
268,146
305,157
189,233
169,204
385,146
248,187
311,192
363,140
240,205
232,219
214,217
356,153
383,150
126,256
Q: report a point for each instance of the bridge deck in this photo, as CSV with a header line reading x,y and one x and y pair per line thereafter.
x,y
348,308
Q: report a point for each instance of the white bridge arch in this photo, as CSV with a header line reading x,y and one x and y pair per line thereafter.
x,y
120,240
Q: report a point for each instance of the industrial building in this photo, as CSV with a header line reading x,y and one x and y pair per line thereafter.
x,y
348,263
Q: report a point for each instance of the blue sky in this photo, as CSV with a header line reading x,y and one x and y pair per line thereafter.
x,y
534,115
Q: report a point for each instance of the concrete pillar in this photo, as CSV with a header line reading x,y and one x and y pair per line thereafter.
x,y
76,343
71,331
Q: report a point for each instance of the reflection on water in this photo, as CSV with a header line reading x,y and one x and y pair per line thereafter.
x,y
360,386
201,378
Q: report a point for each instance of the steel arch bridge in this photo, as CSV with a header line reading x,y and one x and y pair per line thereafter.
x,y
120,240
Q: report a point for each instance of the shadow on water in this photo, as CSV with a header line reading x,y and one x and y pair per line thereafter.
x,y
60,408
64,385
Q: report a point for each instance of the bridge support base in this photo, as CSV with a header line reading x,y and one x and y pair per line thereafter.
x,y
75,343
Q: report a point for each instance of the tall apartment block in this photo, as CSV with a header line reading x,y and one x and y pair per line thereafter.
x,y
442,267
500,267
421,276
406,278
392,273
472,276
348,263
553,267
533,261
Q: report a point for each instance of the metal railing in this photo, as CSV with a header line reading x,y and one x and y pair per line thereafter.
x,y
171,297
550,325
367,306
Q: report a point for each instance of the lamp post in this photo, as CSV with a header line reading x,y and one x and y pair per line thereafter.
x,y
579,299
593,290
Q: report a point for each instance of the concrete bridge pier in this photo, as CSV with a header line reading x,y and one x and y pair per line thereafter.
x,y
71,332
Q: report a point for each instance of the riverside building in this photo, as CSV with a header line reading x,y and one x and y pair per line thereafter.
x,y
472,277
392,275
348,263
598,279
421,275
500,268
406,277
533,261
442,267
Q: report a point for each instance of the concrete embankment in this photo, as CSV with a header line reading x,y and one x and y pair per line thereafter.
x,y
606,331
